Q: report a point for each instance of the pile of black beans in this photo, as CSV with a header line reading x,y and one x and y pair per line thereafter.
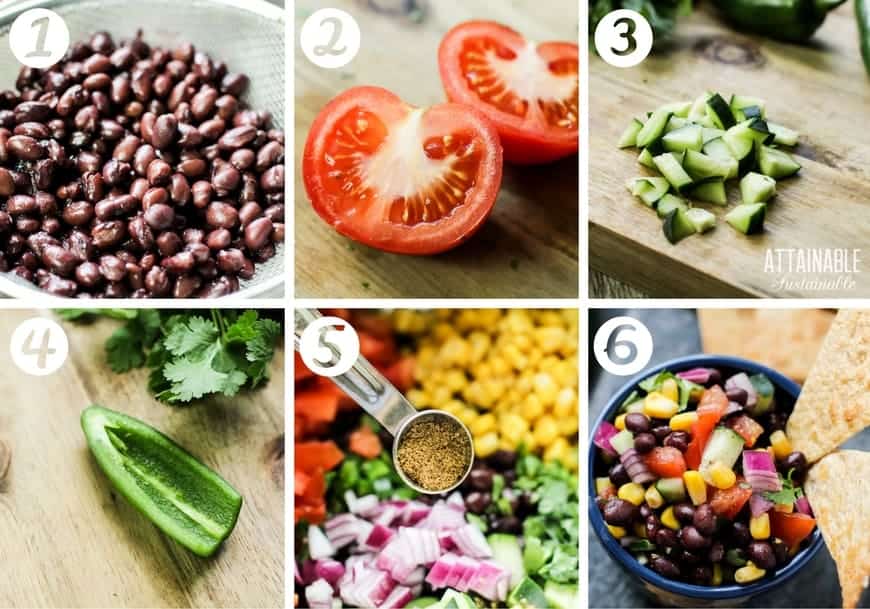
x,y
477,493
136,171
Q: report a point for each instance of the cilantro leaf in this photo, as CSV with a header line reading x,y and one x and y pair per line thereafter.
x,y
788,495
191,337
124,351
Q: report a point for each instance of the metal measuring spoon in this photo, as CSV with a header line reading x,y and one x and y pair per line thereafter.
x,y
378,397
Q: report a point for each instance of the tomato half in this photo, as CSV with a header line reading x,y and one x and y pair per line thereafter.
x,y
529,91
400,178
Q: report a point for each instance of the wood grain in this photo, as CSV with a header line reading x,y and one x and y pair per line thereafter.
x,y
69,540
820,90
528,247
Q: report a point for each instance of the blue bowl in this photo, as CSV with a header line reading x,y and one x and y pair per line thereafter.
x,y
676,593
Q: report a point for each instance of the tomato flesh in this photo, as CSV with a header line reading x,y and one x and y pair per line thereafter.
x,y
399,178
666,462
791,528
728,502
529,91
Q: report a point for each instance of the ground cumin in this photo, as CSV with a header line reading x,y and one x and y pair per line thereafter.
x,y
434,453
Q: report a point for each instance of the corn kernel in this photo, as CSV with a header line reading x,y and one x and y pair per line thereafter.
x,y
670,390
717,574
419,398
669,520
602,484
549,338
617,532
454,407
440,396
455,379
556,451
722,476
512,426
654,498
571,459
529,441
759,526
631,492
749,573
619,422
566,401
683,421
657,406
546,388
695,486
482,424
531,408
486,444
467,415
545,430
781,444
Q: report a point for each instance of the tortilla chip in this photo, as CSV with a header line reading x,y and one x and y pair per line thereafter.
x,y
834,403
785,340
838,487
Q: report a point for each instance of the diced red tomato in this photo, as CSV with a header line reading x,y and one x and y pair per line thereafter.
x,y
300,370
316,404
728,502
666,462
401,373
365,443
309,456
746,428
313,514
791,528
713,404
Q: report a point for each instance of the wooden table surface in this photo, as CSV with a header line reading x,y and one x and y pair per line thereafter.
x,y
529,245
821,90
67,539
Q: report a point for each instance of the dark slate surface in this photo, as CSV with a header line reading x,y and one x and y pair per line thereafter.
x,y
675,333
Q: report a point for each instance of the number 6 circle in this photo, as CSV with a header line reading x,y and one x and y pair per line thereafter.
x,y
323,340
623,346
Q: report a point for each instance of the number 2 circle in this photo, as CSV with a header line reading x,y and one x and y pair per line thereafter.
x,y
39,346
623,346
623,38
330,38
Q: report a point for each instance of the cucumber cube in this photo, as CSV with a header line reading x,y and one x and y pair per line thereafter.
x,y
757,188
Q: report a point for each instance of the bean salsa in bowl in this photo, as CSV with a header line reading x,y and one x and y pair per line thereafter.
x,y
695,487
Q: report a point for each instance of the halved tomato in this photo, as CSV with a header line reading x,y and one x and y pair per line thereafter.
x,y
529,91
400,178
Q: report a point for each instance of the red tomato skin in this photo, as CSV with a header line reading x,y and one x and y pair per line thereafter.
x,y
728,502
393,238
792,528
711,408
521,145
666,462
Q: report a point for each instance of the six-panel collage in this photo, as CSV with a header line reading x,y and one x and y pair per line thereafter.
x,y
579,310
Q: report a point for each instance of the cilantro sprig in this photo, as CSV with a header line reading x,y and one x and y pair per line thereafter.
x,y
191,354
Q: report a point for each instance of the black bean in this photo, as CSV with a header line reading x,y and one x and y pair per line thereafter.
x,y
717,552
740,535
704,519
679,440
736,394
664,567
643,442
684,512
618,512
692,539
780,551
667,538
761,553
503,460
618,475
477,502
661,432
795,461
637,422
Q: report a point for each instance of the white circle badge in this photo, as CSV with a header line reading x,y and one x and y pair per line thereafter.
x,y
39,38
623,38
330,38
623,346
39,346
329,346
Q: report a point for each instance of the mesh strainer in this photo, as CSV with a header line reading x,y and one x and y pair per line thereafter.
x,y
247,34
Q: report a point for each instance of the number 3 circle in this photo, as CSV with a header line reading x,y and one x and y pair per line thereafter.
x,y
623,346
623,38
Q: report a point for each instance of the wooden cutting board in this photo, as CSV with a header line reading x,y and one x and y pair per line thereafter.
x,y
820,90
529,245
70,540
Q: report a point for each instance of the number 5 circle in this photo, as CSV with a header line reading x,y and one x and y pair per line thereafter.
x,y
623,346
623,38
39,346
322,340
39,38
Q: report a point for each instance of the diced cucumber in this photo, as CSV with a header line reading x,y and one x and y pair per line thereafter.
x,y
701,166
719,112
751,112
712,192
783,135
527,595
673,171
711,133
724,447
623,441
741,141
507,553
764,390
675,122
702,219
757,188
669,203
535,554
678,109
682,139
628,139
649,190
645,158
739,102
562,596
776,163
718,149
677,227
672,490
424,602
653,129
760,133
698,111
748,219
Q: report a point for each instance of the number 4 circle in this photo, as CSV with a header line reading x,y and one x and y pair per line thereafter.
x,y
39,346
623,38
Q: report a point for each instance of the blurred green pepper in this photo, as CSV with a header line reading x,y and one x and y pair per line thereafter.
x,y
789,20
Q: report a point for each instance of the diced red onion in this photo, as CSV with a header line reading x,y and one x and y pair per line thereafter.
x,y
437,576
366,506
471,542
441,517
636,467
803,506
388,515
733,408
760,471
378,537
758,505
415,577
318,544
701,376
602,437
456,501
414,512
297,576
399,597
319,595
330,570
491,581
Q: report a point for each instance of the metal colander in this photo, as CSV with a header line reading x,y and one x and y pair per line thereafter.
x,y
247,34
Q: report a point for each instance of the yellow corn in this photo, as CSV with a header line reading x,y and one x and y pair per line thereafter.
x,y
654,498
659,406
512,426
566,402
722,476
486,444
749,573
631,492
670,390
532,407
669,520
482,424
545,430
602,484
619,422
557,451
683,421
786,508
617,532
717,574
781,444
759,526
695,486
